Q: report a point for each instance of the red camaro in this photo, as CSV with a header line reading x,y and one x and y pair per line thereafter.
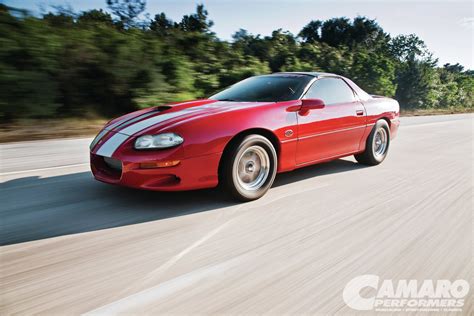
x,y
242,137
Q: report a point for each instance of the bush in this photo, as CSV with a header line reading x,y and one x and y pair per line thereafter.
x,y
65,64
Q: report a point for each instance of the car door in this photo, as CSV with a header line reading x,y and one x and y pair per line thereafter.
x,y
334,130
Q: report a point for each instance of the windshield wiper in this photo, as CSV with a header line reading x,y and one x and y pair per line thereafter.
x,y
230,100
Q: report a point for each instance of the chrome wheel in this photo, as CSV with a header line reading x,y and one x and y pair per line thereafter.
x,y
248,167
252,168
376,145
380,143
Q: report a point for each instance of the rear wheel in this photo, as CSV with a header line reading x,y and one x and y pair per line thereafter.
x,y
377,144
249,168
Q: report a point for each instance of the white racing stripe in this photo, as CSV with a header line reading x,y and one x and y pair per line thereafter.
x,y
118,124
110,146
133,120
134,128
98,138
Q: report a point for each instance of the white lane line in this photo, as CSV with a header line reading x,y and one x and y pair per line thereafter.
x,y
139,301
43,169
155,292
155,273
165,266
143,298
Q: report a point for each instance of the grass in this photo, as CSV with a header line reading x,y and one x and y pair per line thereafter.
x,y
425,112
63,128
49,129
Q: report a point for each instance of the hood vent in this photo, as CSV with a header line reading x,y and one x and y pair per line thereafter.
x,y
161,108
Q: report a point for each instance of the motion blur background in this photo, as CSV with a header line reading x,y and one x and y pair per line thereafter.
x,y
72,245
86,61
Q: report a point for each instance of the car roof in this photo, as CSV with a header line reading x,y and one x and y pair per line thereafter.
x,y
308,73
361,93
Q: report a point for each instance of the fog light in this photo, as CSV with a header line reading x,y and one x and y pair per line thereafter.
x,y
159,164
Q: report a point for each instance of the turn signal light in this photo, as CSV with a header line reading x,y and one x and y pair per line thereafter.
x,y
159,164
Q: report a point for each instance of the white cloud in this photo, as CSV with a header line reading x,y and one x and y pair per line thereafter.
x,y
467,22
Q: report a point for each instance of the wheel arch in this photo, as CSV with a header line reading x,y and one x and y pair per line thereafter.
x,y
362,143
241,135
386,119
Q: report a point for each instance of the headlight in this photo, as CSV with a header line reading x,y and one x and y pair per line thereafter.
x,y
165,140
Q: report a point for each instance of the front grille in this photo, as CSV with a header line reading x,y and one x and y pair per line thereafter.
x,y
106,168
113,163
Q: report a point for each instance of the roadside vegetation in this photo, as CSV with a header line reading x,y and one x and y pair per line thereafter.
x,y
98,64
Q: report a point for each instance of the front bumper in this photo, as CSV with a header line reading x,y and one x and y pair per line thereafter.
x,y
191,173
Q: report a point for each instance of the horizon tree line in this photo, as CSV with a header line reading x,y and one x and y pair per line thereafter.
x,y
96,63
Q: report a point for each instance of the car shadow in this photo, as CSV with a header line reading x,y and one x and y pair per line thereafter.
x,y
35,208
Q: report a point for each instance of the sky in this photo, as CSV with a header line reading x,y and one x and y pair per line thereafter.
x,y
447,27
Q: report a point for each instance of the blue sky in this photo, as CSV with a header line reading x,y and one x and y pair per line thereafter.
x,y
447,27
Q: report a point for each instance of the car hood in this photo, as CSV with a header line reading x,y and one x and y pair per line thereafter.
x,y
165,115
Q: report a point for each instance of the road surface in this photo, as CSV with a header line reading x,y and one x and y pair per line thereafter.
x,y
72,245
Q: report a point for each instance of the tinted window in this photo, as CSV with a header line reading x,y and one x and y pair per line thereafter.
x,y
331,91
265,88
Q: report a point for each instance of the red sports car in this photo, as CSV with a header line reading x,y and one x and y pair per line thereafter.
x,y
242,137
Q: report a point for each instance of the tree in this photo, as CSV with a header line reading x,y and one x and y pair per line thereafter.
x,y
368,33
336,32
95,17
417,84
161,25
68,64
343,32
408,47
28,62
127,10
374,72
61,20
457,86
311,32
456,68
197,22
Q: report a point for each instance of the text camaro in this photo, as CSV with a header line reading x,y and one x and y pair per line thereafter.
x,y
243,136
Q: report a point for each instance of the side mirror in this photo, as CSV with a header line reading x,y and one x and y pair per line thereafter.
x,y
310,104
305,106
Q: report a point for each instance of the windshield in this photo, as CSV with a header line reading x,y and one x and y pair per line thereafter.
x,y
265,89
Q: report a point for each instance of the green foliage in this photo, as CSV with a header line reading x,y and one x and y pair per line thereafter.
x,y
95,17
197,22
418,85
127,10
374,72
457,87
344,32
68,64
27,68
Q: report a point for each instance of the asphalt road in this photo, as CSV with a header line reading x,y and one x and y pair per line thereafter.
x,y
72,245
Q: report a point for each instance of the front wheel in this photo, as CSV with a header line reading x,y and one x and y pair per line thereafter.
x,y
249,168
377,144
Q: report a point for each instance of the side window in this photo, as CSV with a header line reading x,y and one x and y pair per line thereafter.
x,y
331,91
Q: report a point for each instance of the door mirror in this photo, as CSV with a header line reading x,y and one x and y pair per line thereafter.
x,y
306,105
312,104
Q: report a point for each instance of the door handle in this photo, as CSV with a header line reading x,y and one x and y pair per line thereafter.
x,y
360,112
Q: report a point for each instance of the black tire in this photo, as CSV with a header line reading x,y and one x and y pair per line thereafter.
x,y
238,166
374,154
